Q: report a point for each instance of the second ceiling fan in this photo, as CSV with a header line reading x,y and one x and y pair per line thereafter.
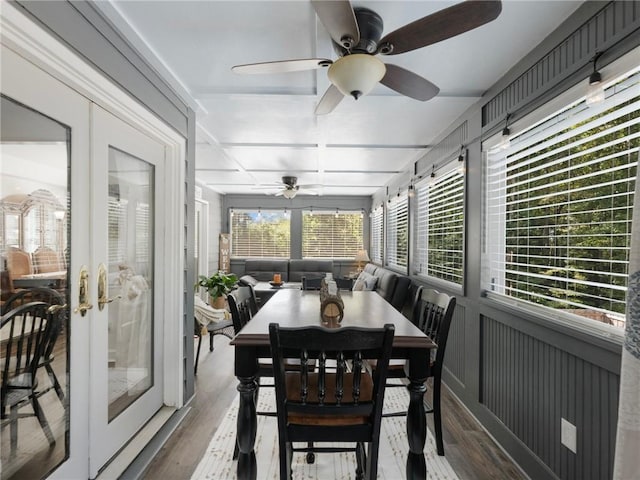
x,y
356,37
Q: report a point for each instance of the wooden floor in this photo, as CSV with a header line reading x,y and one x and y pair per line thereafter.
x,y
469,450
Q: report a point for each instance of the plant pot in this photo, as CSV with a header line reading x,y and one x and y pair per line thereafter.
x,y
218,303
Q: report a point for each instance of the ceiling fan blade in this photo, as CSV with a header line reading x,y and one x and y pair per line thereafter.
x,y
283,66
330,100
441,25
338,18
408,83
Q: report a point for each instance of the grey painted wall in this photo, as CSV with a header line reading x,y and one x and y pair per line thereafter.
x,y
517,373
215,225
83,28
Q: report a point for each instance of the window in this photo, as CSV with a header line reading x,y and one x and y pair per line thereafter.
x,y
397,233
331,234
559,205
256,233
377,235
439,225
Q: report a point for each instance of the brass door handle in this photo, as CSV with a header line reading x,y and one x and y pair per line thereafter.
x,y
83,295
102,288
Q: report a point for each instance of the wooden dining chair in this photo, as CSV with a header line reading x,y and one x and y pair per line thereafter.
x,y
242,306
18,264
50,297
321,406
311,283
46,260
432,312
30,330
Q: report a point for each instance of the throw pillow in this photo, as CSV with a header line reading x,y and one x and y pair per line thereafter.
x,y
370,282
365,281
247,280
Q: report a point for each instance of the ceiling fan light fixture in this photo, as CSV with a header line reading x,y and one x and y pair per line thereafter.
x,y
356,74
289,193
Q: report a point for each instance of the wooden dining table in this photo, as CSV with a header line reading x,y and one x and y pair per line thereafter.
x,y
299,308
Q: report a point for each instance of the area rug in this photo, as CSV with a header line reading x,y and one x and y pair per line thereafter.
x,y
218,464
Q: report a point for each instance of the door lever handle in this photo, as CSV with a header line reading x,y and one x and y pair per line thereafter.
x,y
83,295
102,288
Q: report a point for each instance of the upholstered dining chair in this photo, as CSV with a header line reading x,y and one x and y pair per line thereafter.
x,y
50,297
432,312
30,331
341,405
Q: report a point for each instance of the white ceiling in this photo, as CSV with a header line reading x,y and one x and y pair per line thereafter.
x,y
253,129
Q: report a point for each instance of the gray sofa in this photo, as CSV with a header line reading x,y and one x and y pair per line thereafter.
x,y
311,269
392,286
262,269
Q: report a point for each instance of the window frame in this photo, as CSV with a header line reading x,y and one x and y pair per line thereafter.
x,y
331,213
453,172
397,213
376,235
259,211
572,97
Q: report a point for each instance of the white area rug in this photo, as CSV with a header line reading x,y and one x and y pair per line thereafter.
x,y
217,463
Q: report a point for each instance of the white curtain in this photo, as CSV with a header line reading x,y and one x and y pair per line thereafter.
x,y
627,459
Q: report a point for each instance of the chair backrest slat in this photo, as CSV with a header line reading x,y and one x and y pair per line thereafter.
x,y
435,313
37,294
28,328
242,306
349,347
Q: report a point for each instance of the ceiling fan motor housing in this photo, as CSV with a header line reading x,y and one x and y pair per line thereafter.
x,y
370,25
290,181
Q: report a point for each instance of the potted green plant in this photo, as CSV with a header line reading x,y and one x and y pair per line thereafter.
x,y
218,286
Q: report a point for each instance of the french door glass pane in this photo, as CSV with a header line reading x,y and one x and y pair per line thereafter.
x,y
131,251
34,234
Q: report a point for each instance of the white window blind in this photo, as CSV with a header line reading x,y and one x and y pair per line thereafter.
x,y
559,205
143,234
439,225
256,233
377,237
331,234
397,233
117,230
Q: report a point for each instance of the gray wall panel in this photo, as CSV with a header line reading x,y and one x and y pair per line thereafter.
x,y
455,358
569,59
529,385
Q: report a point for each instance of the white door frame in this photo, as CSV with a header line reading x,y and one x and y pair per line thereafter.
x,y
31,42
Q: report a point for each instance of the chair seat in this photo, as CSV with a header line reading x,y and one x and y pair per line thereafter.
x,y
292,381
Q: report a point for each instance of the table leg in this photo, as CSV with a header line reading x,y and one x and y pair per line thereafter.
x,y
246,428
416,431
416,415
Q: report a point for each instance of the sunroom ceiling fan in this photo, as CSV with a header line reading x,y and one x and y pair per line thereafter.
x,y
290,187
355,34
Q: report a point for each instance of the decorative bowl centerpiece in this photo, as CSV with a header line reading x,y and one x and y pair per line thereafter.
x,y
275,284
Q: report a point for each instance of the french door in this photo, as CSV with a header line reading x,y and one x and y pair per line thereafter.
x,y
126,381
110,183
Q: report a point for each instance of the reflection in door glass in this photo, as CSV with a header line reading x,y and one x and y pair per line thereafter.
x,y
34,239
130,227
